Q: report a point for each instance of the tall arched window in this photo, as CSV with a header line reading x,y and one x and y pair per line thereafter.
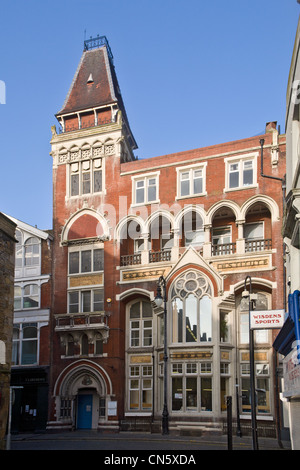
x,y
84,345
191,309
32,252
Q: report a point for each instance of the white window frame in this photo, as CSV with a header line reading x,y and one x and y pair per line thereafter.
x,y
80,249
259,222
19,342
81,170
145,179
138,377
240,161
190,170
81,292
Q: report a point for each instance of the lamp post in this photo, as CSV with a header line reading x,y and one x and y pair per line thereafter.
x,y
252,371
159,300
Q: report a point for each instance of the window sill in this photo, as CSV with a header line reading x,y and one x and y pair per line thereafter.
x,y
190,196
241,188
142,204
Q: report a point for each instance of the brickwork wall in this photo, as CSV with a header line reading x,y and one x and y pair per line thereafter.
x,y
7,265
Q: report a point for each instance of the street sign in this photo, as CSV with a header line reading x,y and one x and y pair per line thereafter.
x,y
265,319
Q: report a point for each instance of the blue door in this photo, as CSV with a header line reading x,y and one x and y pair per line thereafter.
x,y
85,407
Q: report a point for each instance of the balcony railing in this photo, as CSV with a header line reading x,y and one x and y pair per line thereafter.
x,y
157,256
80,321
223,249
129,260
258,245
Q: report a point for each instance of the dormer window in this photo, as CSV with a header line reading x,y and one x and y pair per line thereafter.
x,y
90,79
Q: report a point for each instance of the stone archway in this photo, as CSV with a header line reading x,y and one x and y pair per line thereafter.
x,y
82,391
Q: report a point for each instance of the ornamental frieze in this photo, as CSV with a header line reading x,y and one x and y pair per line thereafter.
x,y
143,275
67,156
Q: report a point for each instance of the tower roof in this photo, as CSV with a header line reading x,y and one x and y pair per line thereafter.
x,y
95,82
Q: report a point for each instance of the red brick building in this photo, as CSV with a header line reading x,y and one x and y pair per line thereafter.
x,y
203,219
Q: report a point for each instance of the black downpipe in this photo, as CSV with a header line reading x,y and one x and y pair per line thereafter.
x,y
262,141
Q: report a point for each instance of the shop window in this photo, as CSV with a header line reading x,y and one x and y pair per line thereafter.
x,y
191,387
25,344
140,387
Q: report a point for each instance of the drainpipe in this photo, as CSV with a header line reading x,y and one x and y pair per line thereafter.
x,y
283,186
262,141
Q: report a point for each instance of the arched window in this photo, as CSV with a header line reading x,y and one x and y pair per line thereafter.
x,y
84,345
32,252
191,309
70,346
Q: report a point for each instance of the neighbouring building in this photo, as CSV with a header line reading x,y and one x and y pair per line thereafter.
x,y
204,219
7,265
288,341
31,328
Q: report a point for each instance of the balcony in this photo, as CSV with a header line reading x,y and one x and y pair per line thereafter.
x,y
130,260
152,257
223,249
258,245
81,322
158,256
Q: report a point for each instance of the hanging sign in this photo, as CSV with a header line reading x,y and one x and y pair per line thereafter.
x,y
265,319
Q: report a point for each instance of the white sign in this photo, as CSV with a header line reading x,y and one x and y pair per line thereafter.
x,y
112,408
264,319
291,375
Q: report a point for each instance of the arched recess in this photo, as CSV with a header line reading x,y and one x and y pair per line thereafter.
x,y
235,208
189,226
74,378
85,223
159,226
266,201
258,226
135,292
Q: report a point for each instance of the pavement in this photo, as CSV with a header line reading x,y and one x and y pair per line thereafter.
x,y
135,443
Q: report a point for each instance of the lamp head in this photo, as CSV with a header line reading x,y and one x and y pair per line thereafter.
x,y
158,299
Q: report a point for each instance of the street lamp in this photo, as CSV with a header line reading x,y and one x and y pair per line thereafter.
x,y
252,297
159,300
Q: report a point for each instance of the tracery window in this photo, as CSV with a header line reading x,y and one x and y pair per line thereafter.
x,y
191,309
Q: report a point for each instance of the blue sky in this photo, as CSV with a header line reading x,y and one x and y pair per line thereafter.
x,y
192,73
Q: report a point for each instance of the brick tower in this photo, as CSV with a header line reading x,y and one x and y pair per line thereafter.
x,y
88,336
